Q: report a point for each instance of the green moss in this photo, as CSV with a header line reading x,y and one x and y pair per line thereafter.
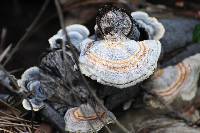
x,y
196,34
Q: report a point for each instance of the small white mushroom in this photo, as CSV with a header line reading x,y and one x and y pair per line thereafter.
x,y
120,64
76,33
35,105
29,82
80,119
154,28
30,74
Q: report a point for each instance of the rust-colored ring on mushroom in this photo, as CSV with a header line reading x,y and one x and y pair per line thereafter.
x,y
78,115
141,53
182,75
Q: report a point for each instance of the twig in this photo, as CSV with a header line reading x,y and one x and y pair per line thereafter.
x,y
14,124
28,33
8,106
61,18
16,70
3,36
107,128
1,129
5,52
54,117
64,49
11,78
18,88
32,114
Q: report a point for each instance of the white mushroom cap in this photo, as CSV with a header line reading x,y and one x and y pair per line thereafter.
x,y
76,121
180,80
30,74
122,64
151,24
76,33
36,105
29,82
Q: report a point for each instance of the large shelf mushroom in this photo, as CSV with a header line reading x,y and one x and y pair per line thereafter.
x,y
119,66
123,55
177,85
126,48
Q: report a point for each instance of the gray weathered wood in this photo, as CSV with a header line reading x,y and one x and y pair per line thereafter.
x,y
178,33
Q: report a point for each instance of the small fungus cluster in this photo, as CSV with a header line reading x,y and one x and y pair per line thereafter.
x,y
123,52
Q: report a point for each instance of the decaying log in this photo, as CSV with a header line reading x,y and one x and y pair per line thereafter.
x,y
147,121
165,125
188,51
178,33
114,97
56,78
53,116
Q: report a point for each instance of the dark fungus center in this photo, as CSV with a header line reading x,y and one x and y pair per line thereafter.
x,y
119,22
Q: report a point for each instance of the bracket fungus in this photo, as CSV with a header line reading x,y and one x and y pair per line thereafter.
x,y
122,56
49,82
32,104
177,85
125,50
122,65
154,28
84,119
30,83
76,33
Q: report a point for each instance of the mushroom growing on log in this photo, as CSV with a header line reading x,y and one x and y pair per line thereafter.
x,y
123,56
76,32
177,85
84,119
